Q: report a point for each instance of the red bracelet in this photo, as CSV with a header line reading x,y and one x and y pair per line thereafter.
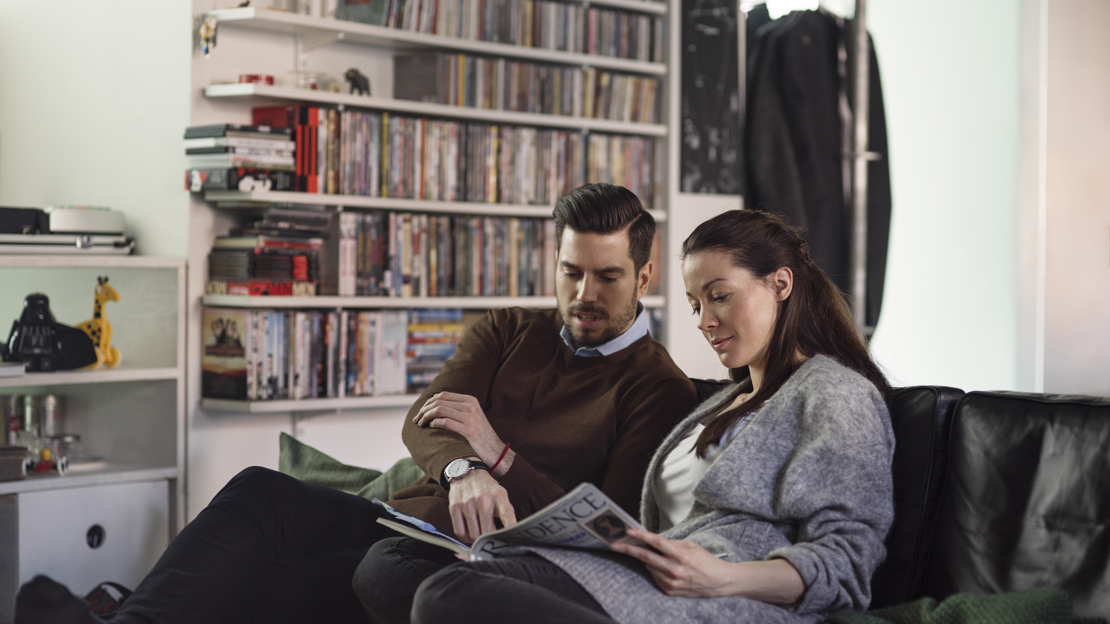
x,y
498,462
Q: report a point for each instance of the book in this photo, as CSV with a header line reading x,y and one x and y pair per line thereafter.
x,y
267,242
13,462
247,161
260,288
281,154
237,179
244,131
12,369
277,142
226,342
582,518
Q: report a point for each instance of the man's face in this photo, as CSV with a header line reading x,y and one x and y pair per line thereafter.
x,y
597,286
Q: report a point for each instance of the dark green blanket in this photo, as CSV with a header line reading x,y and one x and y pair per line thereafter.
x,y
297,459
1033,606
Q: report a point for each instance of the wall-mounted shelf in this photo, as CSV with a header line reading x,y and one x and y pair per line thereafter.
x,y
318,31
309,405
262,199
100,375
468,303
236,90
107,474
82,261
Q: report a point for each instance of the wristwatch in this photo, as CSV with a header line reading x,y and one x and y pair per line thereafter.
x,y
458,468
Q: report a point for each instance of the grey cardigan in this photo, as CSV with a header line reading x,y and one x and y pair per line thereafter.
x,y
808,480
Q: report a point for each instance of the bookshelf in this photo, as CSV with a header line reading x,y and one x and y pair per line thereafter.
x,y
317,31
262,93
130,418
466,303
258,40
253,200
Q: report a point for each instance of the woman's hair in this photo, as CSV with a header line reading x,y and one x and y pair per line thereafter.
x,y
813,320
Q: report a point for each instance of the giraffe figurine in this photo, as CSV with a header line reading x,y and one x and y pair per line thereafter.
x,y
99,329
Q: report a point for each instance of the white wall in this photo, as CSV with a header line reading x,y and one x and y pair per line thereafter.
x,y
1077,198
93,100
950,72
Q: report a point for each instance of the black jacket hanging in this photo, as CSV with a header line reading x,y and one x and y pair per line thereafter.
x,y
796,144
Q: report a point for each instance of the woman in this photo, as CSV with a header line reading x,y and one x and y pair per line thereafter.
x,y
772,498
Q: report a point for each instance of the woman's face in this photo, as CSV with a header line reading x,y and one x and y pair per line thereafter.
x,y
736,311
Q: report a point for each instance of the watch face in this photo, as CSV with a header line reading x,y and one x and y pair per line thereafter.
x,y
456,469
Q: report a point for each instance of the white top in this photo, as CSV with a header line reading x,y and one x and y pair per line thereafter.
x,y
681,470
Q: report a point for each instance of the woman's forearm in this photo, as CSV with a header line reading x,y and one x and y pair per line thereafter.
x,y
776,581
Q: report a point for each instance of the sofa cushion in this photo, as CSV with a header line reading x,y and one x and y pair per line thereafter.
x,y
920,417
1026,502
297,459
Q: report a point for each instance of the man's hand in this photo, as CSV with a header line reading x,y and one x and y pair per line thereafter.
x,y
476,499
462,414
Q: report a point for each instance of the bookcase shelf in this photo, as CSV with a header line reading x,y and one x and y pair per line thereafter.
x,y
261,199
318,31
310,405
236,90
467,303
102,375
107,474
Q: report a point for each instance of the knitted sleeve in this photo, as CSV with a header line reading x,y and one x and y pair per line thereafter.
x,y
838,482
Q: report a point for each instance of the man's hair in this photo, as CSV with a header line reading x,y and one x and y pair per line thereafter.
x,y
605,209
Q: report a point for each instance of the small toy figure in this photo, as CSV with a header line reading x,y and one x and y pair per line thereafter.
x,y
208,35
33,338
359,83
98,328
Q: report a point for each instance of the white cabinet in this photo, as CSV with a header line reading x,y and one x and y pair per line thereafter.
x,y
92,534
131,417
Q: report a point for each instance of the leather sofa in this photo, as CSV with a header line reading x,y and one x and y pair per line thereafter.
x,y
996,492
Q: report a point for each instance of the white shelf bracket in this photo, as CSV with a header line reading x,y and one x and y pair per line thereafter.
x,y
309,40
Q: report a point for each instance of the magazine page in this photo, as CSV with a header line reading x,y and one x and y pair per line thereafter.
x,y
583,518
417,528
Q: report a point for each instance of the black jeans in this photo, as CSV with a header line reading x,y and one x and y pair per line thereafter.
x,y
403,580
268,548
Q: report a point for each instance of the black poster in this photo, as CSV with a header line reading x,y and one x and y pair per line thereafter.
x,y
711,125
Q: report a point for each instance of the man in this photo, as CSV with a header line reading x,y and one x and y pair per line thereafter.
x,y
533,403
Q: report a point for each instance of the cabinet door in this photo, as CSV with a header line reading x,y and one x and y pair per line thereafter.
x,y
54,529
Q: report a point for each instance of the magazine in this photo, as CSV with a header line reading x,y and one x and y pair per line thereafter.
x,y
583,518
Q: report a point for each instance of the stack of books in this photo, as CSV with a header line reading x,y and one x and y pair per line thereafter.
x,y
434,334
239,157
258,355
548,24
262,265
374,154
505,84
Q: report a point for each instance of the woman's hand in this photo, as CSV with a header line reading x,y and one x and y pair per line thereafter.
x,y
682,568
679,567
462,414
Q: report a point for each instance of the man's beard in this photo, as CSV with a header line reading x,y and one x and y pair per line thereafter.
x,y
620,323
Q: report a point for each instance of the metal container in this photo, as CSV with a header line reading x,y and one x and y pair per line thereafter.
x,y
51,415
13,415
31,416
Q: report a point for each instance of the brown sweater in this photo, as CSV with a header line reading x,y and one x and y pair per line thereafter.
x,y
570,419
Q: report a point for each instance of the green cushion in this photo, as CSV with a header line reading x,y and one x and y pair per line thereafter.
x,y
297,459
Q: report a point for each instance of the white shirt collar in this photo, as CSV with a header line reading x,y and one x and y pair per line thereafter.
x,y
638,330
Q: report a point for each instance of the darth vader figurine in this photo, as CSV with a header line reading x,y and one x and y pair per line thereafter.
x,y
43,344
33,337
